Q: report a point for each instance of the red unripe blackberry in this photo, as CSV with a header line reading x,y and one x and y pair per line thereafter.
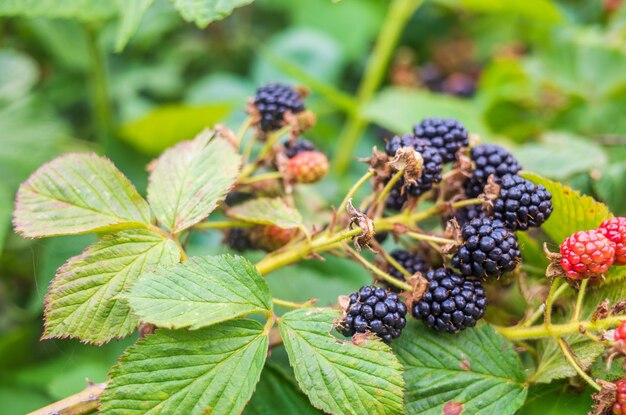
x,y
271,237
619,407
586,254
615,231
620,332
308,166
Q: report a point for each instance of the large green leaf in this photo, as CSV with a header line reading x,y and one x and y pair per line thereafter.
x,y
168,124
399,109
200,292
79,9
267,211
572,211
188,181
78,193
277,394
476,370
341,377
210,371
132,12
83,301
18,73
552,365
557,399
203,12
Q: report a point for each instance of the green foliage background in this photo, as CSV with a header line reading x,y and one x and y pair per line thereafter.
x,y
129,79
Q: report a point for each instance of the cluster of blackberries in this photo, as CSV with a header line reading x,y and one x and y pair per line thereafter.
x,y
374,310
273,101
438,141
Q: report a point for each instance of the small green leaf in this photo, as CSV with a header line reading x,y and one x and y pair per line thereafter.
x,y
267,211
130,18
78,193
83,301
188,180
203,12
476,370
200,292
210,371
167,124
277,394
572,211
341,377
86,10
552,365
399,109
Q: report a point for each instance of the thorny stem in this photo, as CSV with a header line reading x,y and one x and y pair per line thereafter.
x,y
82,403
377,271
572,361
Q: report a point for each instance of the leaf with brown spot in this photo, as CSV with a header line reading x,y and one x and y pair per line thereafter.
x,y
452,408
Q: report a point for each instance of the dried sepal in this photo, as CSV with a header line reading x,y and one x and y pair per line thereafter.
x,y
410,162
362,221
604,399
554,268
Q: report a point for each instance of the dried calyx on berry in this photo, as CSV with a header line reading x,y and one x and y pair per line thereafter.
x,y
586,254
374,310
489,249
489,159
410,261
521,204
614,230
273,102
452,303
448,136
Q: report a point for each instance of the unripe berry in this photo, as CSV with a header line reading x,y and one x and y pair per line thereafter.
x,y
615,231
586,254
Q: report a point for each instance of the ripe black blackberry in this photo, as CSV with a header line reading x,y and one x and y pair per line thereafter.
x,y
489,159
399,141
396,200
465,214
272,101
410,261
374,310
298,146
451,303
446,135
489,249
521,204
238,239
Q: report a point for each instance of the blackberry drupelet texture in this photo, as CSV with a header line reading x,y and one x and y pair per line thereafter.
x,y
293,148
619,407
489,249
410,261
451,303
398,141
521,204
273,101
445,135
396,200
615,231
467,213
308,166
489,159
586,254
374,310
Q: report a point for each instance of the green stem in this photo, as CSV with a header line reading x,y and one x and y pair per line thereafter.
x,y
272,175
391,260
549,300
243,129
377,271
387,189
292,304
400,11
342,207
558,330
467,202
579,300
435,239
540,310
572,361
271,140
223,224
101,104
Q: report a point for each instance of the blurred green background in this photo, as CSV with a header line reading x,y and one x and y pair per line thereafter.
x,y
544,78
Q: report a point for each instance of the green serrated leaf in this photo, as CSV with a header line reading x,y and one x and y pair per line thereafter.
x,y
78,193
130,18
277,394
267,211
476,371
188,180
166,125
210,371
200,292
341,377
83,301
572,211
552,365
86,10
203,12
